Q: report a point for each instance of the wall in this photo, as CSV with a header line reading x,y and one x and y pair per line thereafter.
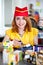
x,y
2,31
1,14
38,5
8,11
19,3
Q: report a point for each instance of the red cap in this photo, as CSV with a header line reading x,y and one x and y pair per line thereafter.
x,y
21,11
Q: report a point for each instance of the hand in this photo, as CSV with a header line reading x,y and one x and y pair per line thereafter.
x,y
16,43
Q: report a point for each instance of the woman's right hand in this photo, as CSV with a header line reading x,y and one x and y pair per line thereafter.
x,y
16,43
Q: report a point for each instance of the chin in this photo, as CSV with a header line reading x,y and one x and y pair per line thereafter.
x,y
21,27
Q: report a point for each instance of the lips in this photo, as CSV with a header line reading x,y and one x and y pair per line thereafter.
x,y
21,24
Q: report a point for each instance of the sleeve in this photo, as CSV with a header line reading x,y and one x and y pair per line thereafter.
x,y
36,31
7,32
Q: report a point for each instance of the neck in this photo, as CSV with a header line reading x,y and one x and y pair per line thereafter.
x,y
21,31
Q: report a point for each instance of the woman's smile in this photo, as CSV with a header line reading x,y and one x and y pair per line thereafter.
x,y
20,22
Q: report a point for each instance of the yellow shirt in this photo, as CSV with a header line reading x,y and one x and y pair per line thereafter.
x,y
27,38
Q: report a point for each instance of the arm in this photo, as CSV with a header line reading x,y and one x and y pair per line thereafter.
x,y
5,38
36,31
17,43
36,40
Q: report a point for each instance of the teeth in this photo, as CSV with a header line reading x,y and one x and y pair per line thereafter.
x,y
21,25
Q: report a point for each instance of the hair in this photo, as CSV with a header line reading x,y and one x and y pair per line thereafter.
x,y
27,27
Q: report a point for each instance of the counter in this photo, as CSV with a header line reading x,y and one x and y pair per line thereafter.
x,y
24,62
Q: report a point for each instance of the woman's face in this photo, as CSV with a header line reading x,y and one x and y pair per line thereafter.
x,y
20,22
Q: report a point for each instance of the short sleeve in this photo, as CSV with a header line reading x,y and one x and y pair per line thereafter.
x,y
36,31
8,32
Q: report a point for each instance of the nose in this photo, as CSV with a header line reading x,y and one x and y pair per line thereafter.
x,y
21,21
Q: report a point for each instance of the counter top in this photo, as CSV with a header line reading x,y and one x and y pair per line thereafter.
x,y
20,63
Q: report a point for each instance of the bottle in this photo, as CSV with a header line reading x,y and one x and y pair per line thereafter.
x,y
34,59
11,63
5,54
5,57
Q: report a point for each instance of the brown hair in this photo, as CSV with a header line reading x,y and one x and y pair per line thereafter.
x,y
27,27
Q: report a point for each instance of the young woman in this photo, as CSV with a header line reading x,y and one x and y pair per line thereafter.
x,y
22,32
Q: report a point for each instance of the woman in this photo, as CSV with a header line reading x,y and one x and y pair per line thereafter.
x,y
22,32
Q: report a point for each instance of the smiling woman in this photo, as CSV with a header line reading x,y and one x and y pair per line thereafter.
x,y
21,29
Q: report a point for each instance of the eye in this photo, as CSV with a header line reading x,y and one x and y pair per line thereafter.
x,y
18,18
23,18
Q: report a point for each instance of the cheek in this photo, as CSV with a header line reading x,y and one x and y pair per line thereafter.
x,y
24,22
17,22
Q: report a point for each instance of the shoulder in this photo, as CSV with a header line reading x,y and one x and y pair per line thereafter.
x,y
35,30
8,31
